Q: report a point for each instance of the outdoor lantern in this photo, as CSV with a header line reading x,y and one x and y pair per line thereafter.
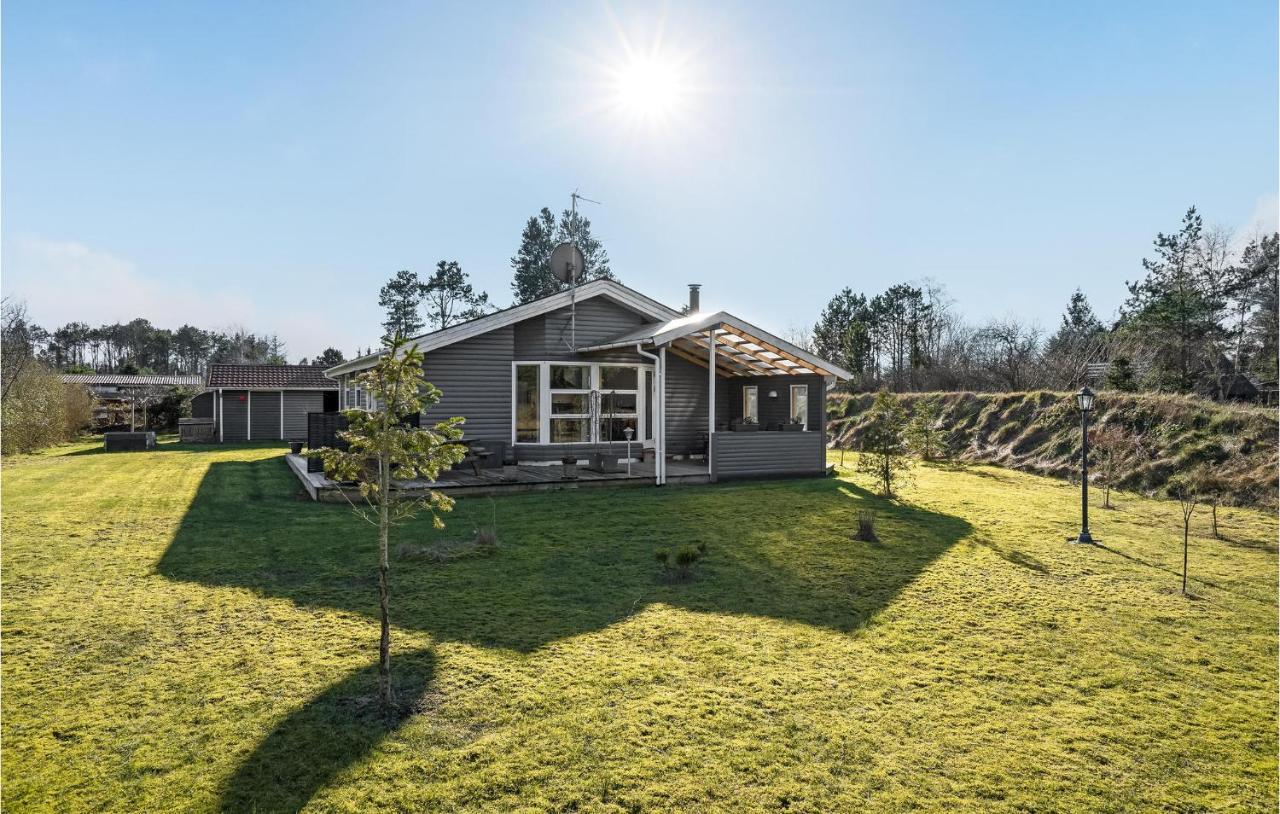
x,y
773,394
1084,400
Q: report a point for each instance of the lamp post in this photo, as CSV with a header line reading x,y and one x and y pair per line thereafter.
x,y
628,432
1084,400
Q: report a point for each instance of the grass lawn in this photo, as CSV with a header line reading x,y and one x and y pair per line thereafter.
x,y
181,632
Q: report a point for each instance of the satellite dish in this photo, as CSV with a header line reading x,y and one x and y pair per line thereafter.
x,y
567,263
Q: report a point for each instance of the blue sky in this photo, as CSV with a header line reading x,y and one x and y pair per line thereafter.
x,y
272,164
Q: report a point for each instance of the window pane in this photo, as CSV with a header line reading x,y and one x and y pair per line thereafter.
x,y
618,403
618,378
527,392
570,377
750,404
613,429
571,403
569,430
800,404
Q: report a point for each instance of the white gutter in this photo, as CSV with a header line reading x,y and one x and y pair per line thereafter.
x,y
659,414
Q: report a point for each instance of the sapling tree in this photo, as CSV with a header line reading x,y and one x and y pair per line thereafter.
x,y
1187,491
1113,451
924,432
383,449
1213,490
884,444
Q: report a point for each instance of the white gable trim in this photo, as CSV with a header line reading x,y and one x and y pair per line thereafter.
x,y
466,330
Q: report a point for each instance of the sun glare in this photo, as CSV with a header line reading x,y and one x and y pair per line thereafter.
x,y
650,88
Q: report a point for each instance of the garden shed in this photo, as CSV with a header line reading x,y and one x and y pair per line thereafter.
x,y
264,402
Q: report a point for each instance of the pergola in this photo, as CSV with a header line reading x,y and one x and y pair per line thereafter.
x,y
726,346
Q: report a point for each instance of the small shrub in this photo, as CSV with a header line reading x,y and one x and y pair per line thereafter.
x,y
678,566
866,527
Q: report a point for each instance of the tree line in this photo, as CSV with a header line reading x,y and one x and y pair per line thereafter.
x,y
1201,314
138,346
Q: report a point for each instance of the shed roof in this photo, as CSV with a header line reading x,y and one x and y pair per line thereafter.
x,y
269,377
127,380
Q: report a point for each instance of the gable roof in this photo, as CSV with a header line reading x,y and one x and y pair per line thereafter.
x,y
741,348
127,380
609,289
269,377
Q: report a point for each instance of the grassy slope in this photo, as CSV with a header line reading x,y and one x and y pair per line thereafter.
x,y
181,633
1040,432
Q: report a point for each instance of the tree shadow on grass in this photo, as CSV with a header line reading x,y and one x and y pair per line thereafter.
x,y
330,732
568,562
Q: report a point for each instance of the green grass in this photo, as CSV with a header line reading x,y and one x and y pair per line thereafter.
x,y
182,633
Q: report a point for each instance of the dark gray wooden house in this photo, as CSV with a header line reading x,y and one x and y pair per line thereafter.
x,y
570,374
263,402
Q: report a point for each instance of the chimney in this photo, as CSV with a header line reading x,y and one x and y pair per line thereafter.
x,y
693,298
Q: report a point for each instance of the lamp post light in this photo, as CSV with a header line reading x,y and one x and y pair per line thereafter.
x,y
1084,400
628,432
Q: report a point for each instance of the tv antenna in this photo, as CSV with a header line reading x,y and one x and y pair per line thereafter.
x,y
568,264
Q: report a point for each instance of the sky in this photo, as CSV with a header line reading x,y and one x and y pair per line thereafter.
x,y
271,165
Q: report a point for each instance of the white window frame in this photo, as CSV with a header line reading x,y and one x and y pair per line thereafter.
x,y
544,430
755,391
803,388
546,391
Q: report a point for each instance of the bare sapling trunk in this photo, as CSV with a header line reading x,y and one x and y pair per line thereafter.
x,y
1213,514
1106,494
386,696
1186,533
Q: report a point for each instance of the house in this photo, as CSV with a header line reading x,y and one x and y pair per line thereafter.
x,y
117,397
573,374
263,402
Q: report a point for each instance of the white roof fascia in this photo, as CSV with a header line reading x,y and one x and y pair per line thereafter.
x,y
448,336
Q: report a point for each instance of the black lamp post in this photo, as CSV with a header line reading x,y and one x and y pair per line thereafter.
x,y
1084,400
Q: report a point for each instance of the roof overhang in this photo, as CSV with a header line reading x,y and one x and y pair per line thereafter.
x,y
742,349
609,289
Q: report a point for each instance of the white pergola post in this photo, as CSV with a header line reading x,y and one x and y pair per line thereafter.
x,y
248,417
281,415
711,397
660,468
220,432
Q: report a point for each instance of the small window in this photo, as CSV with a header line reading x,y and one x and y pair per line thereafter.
x,y
800,404
750,403
570,430
528,391
570,377
619,378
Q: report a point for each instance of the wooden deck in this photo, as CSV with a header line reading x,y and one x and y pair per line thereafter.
x,y
525,478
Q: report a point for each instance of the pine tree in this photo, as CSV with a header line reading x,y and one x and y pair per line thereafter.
x,y
531,265
449,296
1177,304
401,296
884,444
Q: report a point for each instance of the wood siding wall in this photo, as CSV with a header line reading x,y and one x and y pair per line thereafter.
x,y
202,405
766,454
548,336
264,415
297,403
235,415
475,377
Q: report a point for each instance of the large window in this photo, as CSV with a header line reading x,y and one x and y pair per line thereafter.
x,y
558,403
528,393
570,403
800,404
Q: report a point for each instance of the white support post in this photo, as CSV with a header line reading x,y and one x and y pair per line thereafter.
x,y
221,434
661,462
281,415
711,397
248,416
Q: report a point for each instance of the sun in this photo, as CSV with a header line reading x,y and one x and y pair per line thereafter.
x,y
650,88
